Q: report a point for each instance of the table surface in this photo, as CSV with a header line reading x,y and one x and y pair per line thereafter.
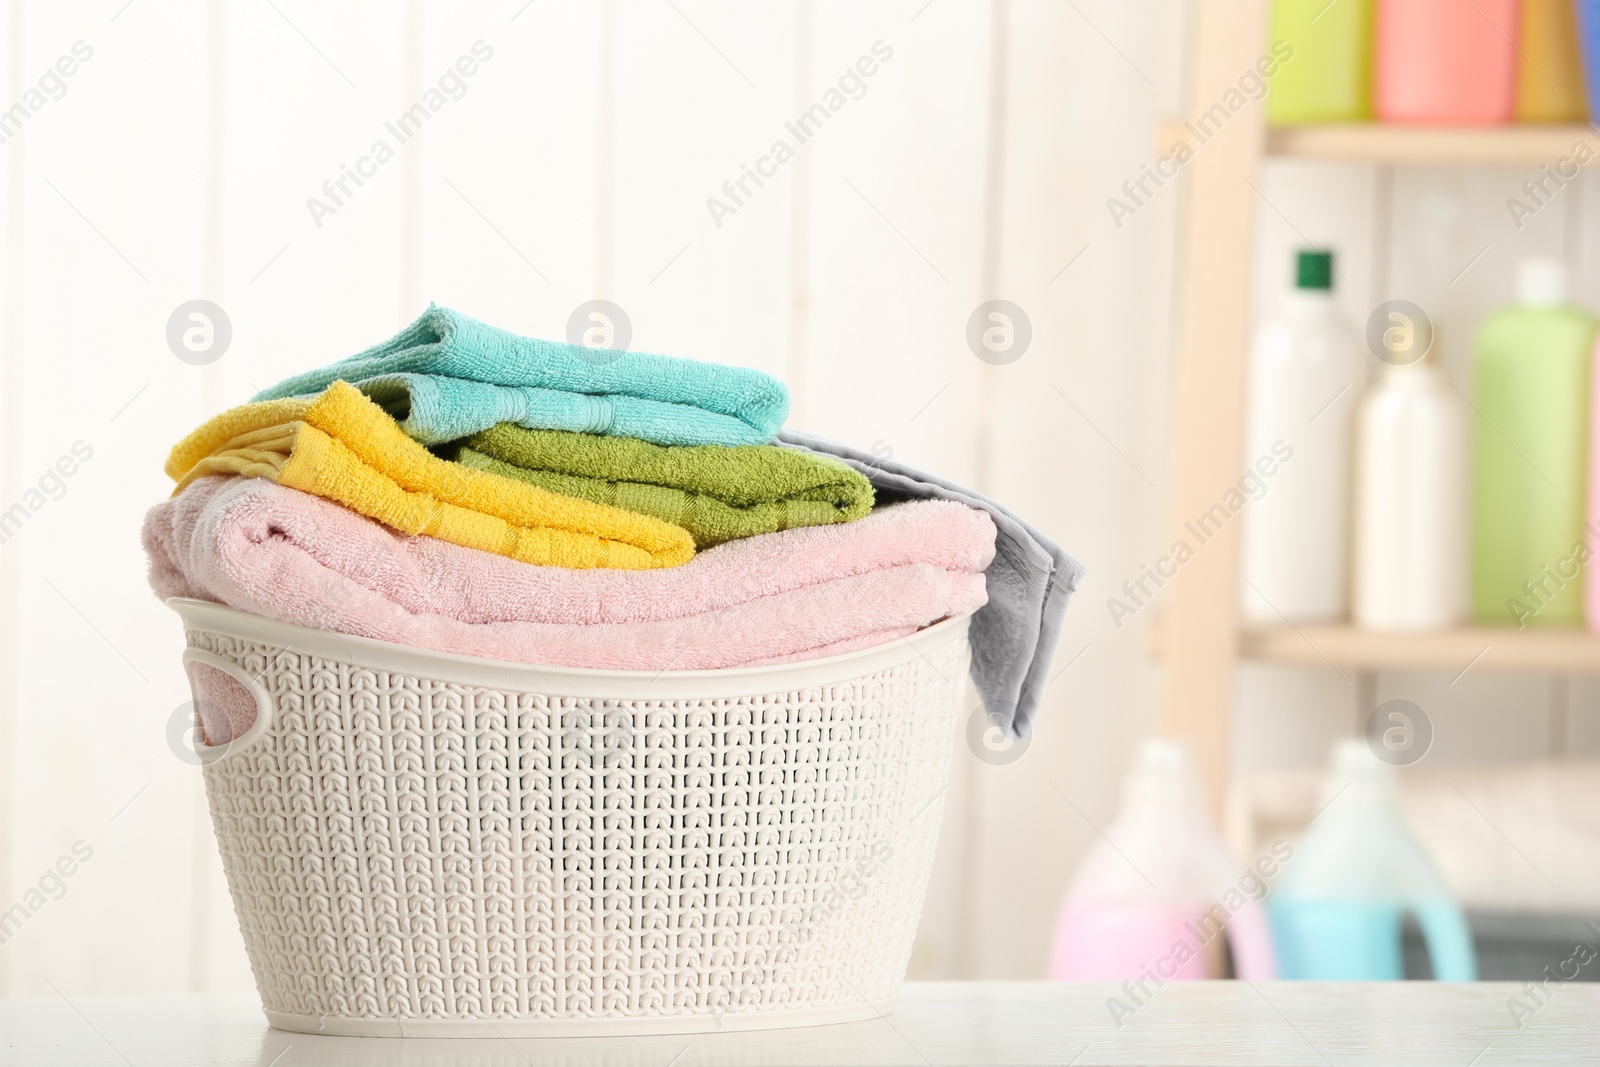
x,y
1411,1024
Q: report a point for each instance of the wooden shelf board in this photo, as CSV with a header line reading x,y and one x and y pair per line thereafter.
x,y
1483,648
1480,648
1518,144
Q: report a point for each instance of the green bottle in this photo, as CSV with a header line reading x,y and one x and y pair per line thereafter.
x,y
1329,76
1530,455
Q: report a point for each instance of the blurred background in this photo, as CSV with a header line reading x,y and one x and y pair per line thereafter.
x,y
598,151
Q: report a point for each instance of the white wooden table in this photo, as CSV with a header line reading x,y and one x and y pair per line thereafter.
x,y
1409,1024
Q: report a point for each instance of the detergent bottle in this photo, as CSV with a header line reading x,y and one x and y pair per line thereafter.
x,y
1157,894
1410,556
1329,77
1588,14
1337,910
1446,61
1531,453
1550,68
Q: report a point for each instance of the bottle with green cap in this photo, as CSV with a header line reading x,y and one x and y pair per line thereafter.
x,y
1313,270
1530,446
1306,371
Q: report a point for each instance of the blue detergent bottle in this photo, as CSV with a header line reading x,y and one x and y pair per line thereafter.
x,y
1337,909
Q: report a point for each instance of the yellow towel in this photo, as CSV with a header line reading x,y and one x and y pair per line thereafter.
x,y
342,446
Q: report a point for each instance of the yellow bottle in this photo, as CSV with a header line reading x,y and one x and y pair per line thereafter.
x,y
1328,77
1549,69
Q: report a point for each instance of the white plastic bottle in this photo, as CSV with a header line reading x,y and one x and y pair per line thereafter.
x,y
1411,476
1306,372
1358,870
1158,891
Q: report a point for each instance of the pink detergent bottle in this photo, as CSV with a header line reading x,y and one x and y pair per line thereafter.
x,y
1450,62
1155,895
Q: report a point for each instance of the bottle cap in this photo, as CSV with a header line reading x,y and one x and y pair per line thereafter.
x,y
1313,269
1354,767
1429,360
1541,282
1164,774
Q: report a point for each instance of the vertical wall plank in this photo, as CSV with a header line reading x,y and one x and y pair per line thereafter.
x,y
11,178
93,681
306,287
893,251
507,174
708,87
1079,431
800,186
896,232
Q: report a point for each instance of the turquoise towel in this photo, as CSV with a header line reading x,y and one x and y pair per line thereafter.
x,y
447,376
434,409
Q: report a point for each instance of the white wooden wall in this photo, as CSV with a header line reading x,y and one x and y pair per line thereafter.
x,y
577,165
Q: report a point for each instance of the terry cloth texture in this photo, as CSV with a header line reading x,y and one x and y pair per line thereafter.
x,y
341,446
281,554
447,376
716,493
1014,635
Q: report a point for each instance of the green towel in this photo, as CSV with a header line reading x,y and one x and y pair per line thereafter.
x,y
716,492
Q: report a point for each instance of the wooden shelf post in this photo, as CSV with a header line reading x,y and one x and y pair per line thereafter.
x,y
1215,271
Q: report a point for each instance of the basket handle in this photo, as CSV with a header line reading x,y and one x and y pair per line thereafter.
x,y
209,754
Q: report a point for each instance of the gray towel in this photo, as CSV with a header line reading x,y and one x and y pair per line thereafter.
x,y
1015,633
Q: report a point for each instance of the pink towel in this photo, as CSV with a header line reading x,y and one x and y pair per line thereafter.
x,y
799,594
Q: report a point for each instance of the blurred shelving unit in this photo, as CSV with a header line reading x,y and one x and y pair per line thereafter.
x,y
1370,142
1457,651
1200,637
1524,145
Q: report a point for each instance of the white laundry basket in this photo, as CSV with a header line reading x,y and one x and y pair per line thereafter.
x,y
425,844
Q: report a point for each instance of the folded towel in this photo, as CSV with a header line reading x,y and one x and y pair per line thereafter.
x,y
286,555
1015,633
714,492
447,376
341,446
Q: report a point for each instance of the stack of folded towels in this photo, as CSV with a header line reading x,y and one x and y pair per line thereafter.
x,y
464,489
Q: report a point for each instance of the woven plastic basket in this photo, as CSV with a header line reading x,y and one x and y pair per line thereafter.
x,y
424,844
